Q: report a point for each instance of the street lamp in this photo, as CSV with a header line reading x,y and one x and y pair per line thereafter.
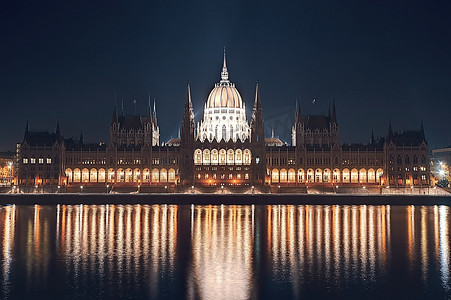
x,y
10,171
107,186
81,189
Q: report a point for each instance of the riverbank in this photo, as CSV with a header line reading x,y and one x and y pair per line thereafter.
x,y
227,199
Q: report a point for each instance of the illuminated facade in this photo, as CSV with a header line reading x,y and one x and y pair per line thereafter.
x,y
224,149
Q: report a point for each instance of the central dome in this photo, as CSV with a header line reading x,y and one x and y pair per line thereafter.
x,y
224,95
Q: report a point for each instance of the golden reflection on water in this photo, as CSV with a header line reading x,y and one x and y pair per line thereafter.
x,y
221,247
338,242
121,243
222,242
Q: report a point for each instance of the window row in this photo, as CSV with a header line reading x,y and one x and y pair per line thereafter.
x,y
40,160
222,157
120,175
326,175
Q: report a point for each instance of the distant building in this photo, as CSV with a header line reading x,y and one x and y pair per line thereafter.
x,y
7,168
441,163
224,149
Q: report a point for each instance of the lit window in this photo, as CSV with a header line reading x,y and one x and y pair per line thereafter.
x,y
49,160
198,176
41,161
25,160
206,176
32,160
230,176
238,176
214,176
246,176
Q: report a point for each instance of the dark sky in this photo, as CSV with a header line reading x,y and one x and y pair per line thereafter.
x,y
380,60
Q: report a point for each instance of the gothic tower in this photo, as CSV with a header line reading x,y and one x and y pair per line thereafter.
x,y
186,160
258,142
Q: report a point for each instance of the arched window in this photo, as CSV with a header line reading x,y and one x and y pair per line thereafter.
x,y
247,157
77,175
214,157
415,159
301,175
163,175
206,157
318,175
120,175
354,176
275,175
362,175
283,175
155,175
101,177
224,132
238,157
326,175
128,175
136,175
379,174
407,160
399,160
336,175
93,175
111,174
146,175
222,157
371,176
230,157
291,175
69,175
198,157
85,175
346,175
310,175
171,175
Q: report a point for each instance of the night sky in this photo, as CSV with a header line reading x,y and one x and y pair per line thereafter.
x,y
380,60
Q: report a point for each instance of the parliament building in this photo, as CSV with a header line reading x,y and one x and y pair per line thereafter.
x,y
223,150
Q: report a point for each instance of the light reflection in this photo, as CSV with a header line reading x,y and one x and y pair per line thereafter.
x,y
336,243
117,242
222,243
9,224
115,247
444,248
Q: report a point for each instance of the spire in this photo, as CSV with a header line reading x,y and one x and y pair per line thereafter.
x,y
81,138
390,130
187,132
298,114
122,106
154,110
26,127
272,133
149,108
372,136
257,103
224,73
334,112
114,120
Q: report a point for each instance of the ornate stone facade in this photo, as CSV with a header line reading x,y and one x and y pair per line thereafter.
x,y
225,150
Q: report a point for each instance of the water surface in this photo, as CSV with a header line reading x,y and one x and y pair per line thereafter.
x,y
228,252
